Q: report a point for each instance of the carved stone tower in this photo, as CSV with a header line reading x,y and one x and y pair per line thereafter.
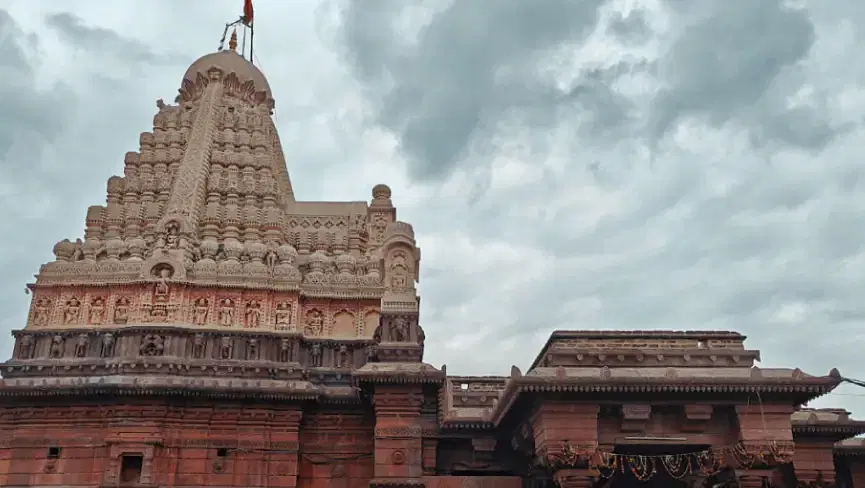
x,y
202,274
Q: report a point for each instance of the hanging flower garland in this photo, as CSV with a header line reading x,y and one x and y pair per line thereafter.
x,y
705,462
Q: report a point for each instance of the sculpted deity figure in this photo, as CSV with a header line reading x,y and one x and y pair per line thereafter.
x,y
81,345
57,346
78,251
152,345
271,259
70,313
226,348
172,235
282,315
121,310
253,314
42,312
226,312
343,356
162,287
200,313
25,348
285,350
97,311
398,284
107,345
399,330
315,355
314,322
198,346
252,350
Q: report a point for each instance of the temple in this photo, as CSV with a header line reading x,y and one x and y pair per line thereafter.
x,y
210,330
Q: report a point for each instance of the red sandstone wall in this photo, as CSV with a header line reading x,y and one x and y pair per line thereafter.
x,y
180,446
473,482
857,472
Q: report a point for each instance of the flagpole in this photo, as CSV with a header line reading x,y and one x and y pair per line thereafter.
x,y
251,41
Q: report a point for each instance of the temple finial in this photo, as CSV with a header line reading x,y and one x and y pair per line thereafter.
x,y
232,43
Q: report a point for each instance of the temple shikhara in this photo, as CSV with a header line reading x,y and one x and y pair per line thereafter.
x,y
210,330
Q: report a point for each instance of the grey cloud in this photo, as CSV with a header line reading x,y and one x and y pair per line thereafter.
x,y
472,64
72,29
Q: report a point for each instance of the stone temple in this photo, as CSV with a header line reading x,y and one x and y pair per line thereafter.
x,y
210,330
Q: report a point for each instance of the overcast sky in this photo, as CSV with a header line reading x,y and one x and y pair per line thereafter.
x,y
623,164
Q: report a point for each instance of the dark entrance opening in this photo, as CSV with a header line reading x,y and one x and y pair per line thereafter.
x,y
130,469
661,477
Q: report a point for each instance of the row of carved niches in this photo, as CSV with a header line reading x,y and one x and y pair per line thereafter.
x,y
399,338
166,302
181,351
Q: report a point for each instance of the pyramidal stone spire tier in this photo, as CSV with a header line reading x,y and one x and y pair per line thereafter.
x,y
203,233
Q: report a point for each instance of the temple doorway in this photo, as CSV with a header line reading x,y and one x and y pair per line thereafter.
x,y
635,477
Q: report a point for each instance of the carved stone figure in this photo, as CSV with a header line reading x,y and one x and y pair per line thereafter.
x,y
57,346
314,322
71,311
121,310
226,312
315,356
399,330
271,259
282,315
253,314
78,251
342,355
25,348
81,345
198,346
107,345
226,348
42,312
370,353
162,288
152,345
97,311
202,307
172,235
285,350
252,350
398,284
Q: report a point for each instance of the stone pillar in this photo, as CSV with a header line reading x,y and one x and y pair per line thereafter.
x,y
283,460
814,462
565,436
857,471
398,436
766,429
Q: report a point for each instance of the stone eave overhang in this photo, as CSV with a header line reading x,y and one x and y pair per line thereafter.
x,y
809,387
175,387
850,447
398,373
834,430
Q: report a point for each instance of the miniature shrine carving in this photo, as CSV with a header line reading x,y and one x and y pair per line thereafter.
x,y
252,350
399,330
161,290
342,356
70,312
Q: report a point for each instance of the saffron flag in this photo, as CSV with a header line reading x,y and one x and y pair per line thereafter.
x,y
247,12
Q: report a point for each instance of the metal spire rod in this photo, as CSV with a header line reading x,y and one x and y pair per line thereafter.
x,y
225,32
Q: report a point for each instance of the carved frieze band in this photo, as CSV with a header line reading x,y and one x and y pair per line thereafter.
x,y
399,431
228,442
